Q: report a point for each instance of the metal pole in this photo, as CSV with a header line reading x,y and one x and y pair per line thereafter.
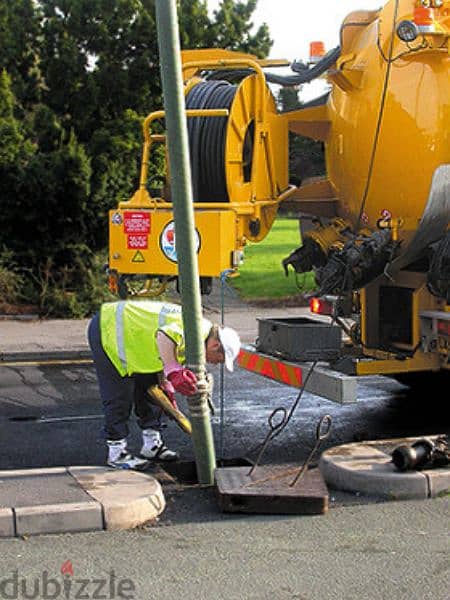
x,y
181,189
223,283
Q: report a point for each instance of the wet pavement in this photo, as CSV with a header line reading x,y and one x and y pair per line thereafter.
x,y
51,416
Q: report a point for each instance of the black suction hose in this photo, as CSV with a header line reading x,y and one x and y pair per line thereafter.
x,y
304,74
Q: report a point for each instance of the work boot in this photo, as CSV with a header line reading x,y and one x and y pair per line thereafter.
x,y
153,447
120,458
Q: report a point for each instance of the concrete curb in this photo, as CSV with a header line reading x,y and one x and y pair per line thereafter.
x,y
58,518
128,498
45,355
7,526
104,499
367,468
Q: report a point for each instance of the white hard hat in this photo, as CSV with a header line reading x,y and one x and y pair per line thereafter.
x,y
231,345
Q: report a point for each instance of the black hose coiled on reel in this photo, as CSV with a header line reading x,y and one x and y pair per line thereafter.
x,y
207,139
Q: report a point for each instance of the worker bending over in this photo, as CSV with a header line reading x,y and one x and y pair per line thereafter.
x,y
136,344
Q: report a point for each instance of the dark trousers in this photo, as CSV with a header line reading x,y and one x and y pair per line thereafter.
x,y
120,395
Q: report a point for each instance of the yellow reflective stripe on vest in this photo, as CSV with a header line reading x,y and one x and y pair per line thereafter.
x,y
162,319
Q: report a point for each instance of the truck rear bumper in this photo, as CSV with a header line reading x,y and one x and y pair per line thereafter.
x,y
323,381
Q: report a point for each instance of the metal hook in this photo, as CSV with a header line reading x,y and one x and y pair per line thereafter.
x,y
323,430
273,428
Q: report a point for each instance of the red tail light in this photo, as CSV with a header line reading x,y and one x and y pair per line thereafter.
x,y
319,306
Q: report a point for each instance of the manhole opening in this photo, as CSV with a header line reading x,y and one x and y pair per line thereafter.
x,y
25,418
186,472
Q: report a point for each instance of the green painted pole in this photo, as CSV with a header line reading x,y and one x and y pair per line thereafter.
x,y
181,191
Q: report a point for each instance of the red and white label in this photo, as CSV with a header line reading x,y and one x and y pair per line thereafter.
x,y
136,221
137,242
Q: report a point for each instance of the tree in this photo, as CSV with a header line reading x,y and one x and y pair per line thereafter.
x,y
44,187
19,50
11,138
81,75
194,24
100,59
232,27
288,98
15,153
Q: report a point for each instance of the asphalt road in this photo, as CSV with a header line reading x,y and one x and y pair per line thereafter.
x,y
51,416
362,548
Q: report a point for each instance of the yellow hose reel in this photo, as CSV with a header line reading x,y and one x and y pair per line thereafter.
x,y
239,162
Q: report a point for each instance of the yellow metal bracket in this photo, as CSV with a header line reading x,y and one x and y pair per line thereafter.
x,y
310,122
394,224
141,198
347,75
390,365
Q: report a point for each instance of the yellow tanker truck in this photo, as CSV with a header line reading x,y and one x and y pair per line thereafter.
x,y
380,248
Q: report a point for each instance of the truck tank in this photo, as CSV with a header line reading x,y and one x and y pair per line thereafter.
x,y
389,129
386,134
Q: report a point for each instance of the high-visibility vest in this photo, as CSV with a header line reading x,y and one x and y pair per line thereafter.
x,y
128,332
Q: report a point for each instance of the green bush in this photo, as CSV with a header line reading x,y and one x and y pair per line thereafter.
x,y
74,289
11,281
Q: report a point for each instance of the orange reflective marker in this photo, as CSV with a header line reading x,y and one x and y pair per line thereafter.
x,y
316,51
423,16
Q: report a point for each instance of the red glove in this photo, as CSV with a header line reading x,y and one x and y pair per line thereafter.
x,y
169,390
183,380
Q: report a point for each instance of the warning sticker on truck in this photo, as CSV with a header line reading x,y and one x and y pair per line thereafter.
x,y
136,221
138,257
137,242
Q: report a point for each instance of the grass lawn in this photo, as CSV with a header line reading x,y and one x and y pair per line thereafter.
x,y
262,275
